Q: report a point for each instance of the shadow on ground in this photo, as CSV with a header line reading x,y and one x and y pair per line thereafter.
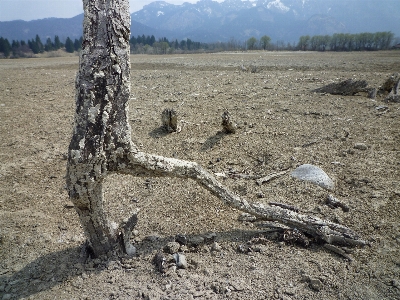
x,y
213,140
55,268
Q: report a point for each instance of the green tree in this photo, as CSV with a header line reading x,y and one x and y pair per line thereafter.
x,y
189,44
33,45
164,47
69,45
5,47
57,43
303,42
78,44
264,41
133,41
387,39
251,43
39,43
182,44
49,45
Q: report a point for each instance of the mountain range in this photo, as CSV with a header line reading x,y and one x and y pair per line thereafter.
x,y
211,21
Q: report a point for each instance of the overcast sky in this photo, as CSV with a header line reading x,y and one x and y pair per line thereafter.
x,y
38,9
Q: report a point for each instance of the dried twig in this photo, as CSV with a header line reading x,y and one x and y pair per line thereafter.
x,y
270,177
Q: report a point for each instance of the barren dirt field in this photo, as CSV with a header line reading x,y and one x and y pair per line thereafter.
x,y
281,124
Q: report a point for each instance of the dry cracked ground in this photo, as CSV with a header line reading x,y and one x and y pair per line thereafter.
x,y
281,124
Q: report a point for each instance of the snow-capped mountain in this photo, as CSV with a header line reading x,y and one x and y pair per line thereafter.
x,y
286,20
211,21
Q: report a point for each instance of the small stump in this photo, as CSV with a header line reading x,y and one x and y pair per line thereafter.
x,y
169,119
227,125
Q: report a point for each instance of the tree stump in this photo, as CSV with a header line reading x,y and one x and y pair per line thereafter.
x,y
169,119
227,125
391,88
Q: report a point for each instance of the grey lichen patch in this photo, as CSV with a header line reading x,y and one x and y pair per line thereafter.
x,y
93,112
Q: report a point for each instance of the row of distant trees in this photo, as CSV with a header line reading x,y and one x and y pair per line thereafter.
x,y
34,46
150,45
347,42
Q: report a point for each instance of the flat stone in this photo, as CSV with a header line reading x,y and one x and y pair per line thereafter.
x,y
360,146
315,284
314,175
198,294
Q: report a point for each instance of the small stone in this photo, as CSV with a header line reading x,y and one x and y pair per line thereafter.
x,y
198,294
172,247
237,286
180,260
396,284
181,239
381,107
315,284
130,249
6,296
360,146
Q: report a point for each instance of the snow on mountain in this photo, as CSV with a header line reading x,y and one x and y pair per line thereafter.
x,y
277,4
211,21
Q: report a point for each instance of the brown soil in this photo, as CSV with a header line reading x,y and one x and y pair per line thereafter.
x,y
281,124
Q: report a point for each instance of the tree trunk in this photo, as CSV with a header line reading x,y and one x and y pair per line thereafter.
x,y
101,141
102,135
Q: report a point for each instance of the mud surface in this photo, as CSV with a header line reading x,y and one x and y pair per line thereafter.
x,y
281,124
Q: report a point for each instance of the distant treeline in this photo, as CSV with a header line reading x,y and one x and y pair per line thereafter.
x,y
150,45
347,42
17,49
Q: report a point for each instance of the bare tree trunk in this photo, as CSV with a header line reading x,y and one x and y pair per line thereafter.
x,y
101,141
102,135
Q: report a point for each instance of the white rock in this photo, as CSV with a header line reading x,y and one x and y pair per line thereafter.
x,y
314,175
180,260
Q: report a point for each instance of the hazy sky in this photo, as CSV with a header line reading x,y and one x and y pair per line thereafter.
x,y
38,9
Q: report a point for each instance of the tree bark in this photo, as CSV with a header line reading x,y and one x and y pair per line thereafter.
x,y
101,141
102,134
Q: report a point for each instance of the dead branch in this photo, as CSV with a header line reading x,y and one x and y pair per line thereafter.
x,y
154,165
285,206
269,177
334,203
